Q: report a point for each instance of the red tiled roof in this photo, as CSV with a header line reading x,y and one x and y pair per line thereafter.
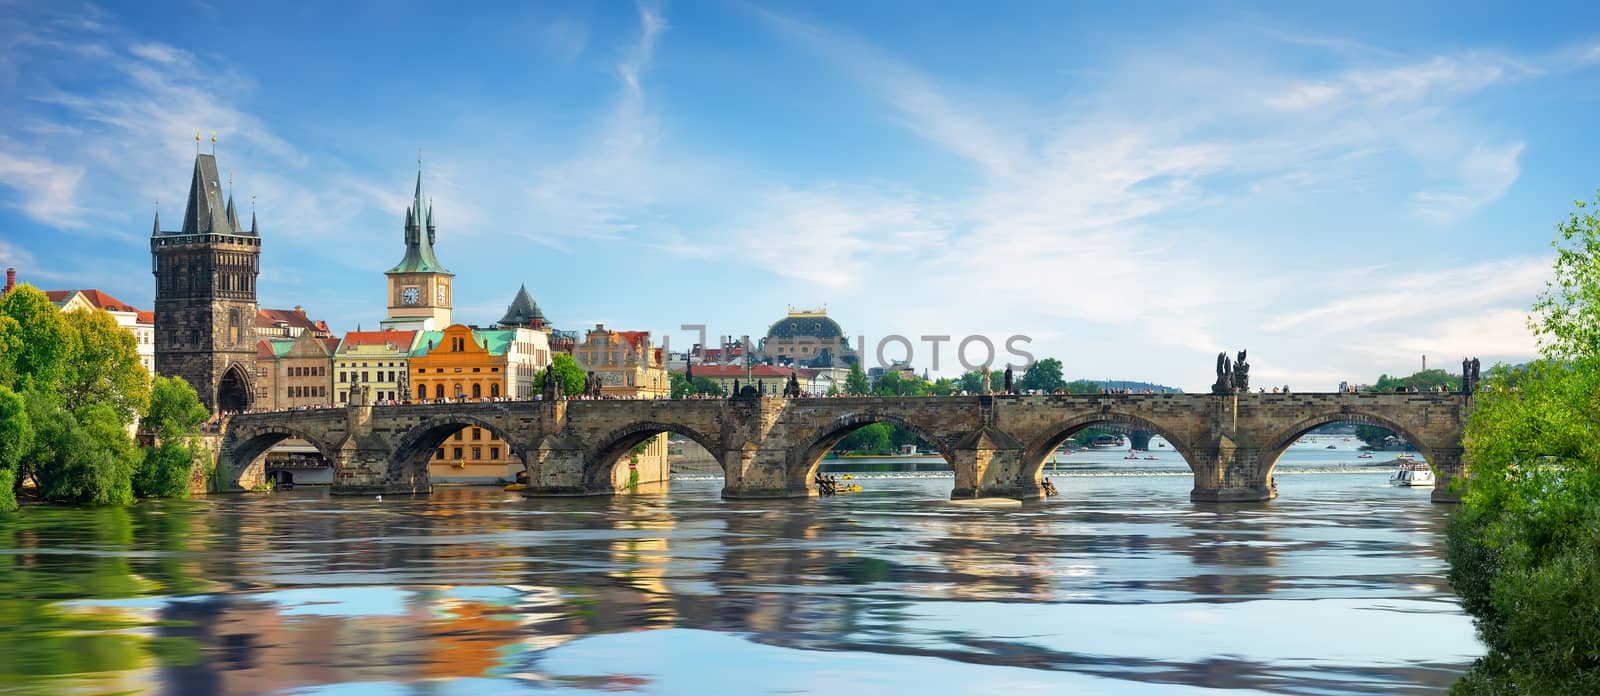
x,y
268,318
146,317
95,298
264,350
401,340
331,343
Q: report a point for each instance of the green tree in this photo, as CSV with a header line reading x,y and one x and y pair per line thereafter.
x,y
682,387
1524,546
92,458
572,376
1044,375
1082,386
944,386
1423,380
41,336
16,439
104,366
856,382
892,383
876,438
174,420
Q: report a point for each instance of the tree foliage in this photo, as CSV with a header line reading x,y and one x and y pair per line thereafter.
x,y
683,387
1045,376
1423,380
104,366
16,439
572,376
40,336
1524,546
1082,386
174,420
875,438
91,457
856,381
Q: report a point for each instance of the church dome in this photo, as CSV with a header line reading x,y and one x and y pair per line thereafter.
x,y
805,324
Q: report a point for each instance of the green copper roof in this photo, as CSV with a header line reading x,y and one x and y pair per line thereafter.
x,y
496,340
419,250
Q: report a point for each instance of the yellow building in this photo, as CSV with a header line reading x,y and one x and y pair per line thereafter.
x,y
379,360
470,364
628,365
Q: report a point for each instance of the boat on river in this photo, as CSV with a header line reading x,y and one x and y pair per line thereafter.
x,y
1412,473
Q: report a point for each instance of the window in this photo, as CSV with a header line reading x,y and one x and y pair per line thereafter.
x,y
342,376
422,391
342,396
364,376
477,434
494,453
477,453
477,391
438,391
458,434
494,390
439,454
458,453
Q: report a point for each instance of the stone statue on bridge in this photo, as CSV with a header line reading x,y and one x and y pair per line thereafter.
x,y
986,389
1241,374
792,389
1469,375
1010,386
1224,383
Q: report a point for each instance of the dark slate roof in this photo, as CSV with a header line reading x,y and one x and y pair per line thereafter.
x,y
419,251
523,310
208,211
812,326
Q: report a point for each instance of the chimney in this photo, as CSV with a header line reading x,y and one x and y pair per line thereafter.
x,y
11,281
300,310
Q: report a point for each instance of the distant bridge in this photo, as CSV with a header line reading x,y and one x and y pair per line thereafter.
x,y
997,445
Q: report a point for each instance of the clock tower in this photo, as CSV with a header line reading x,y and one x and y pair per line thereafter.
x,y
419,286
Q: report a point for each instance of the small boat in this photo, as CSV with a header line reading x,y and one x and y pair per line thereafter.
x,y
516,486
1133,457
1364,455
1332,447
1412,473
1152,459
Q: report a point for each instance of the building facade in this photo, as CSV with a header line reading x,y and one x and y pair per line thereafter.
x,y
205,306
628,365
419,286
136,321
769,379
377,360
807,338
294,372
289,323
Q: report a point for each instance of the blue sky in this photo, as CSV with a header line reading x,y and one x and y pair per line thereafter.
x,y
1339,188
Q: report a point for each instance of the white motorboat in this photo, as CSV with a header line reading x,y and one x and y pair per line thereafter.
x,y
1412,473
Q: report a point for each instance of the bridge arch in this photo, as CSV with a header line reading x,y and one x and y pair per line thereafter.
x,y
1279,442
247,445
416,446
602,459
802,466
1033,459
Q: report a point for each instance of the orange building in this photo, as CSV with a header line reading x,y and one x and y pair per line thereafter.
x,y
465,363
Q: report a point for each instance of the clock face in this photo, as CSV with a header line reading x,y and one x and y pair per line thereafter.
x,y
441,294
410,295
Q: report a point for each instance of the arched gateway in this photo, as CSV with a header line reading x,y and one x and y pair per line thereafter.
x,y
769,447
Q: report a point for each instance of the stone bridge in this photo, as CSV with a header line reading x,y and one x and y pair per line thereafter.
x,y
771,447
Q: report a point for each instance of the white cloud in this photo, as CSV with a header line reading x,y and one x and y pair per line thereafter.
x,y
48,190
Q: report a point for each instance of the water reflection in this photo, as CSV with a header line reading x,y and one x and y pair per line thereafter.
x,y
1120,585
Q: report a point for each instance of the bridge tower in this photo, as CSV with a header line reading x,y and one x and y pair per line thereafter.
x,y
205,313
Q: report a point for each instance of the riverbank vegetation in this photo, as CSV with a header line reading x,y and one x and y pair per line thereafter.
x,y
1524,546
71,392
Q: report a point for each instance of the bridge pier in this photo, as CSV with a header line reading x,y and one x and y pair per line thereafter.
x,y
1231,472
988,463
1140,439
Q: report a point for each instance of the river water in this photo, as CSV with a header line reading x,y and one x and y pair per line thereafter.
x,y
1118,586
